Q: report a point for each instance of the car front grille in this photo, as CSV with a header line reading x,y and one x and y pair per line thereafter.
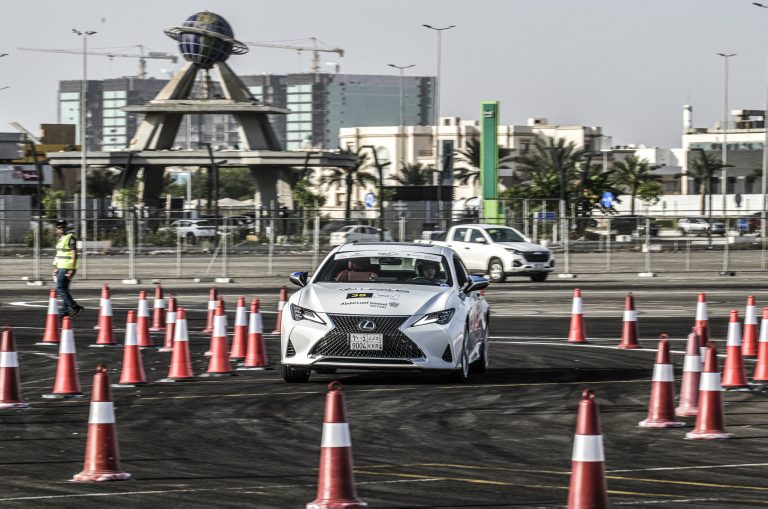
x,y
396,344
536,257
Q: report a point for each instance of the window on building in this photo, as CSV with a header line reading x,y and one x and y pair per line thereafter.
x,y
69,96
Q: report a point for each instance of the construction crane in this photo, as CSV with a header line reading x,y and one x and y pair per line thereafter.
x,y
141,56
314,49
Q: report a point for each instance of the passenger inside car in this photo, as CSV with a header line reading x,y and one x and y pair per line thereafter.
x,y
358,269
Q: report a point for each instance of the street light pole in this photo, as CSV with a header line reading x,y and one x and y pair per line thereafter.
x,y
84,34
724,171
436,177
764,183
401,144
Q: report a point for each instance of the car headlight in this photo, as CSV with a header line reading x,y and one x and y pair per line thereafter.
x,y
513,251
300,313
439,317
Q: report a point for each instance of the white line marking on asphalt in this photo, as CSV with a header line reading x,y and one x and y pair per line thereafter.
x,y
44,304
690,467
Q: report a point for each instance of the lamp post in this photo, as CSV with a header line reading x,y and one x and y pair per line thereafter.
x,y
84,34
764,183
401,144
380,169
436,178
724,172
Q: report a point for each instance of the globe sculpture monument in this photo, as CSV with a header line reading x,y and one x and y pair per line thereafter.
x,y
205,39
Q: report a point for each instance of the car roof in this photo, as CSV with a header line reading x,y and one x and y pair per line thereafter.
x,y
389,246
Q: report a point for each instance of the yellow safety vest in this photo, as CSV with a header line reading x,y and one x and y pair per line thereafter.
x,y
64,254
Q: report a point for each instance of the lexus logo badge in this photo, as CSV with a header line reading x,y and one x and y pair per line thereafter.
x,y
366,325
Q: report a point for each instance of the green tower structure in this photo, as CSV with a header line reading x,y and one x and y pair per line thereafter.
x,y
489,162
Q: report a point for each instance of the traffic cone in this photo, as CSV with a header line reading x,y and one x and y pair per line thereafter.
x,y
588,488
212,300
10,375
256,358
336,482
702,320
142,323
710,421
180,368
689,387
280,305
661,407
629,324
132,374
219,301
51,334
239,340
749,340
67,384
170,325
106,335
577,332
734,375
218,364
158,312
761,370
102,455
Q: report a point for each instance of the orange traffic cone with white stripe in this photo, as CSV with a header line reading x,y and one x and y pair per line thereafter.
x,y
106,337
180,368
170,325
158,311
761,370
336,482
661,407
702,321
629,324
142,322
219,302
734,375
67,384
10,375
212,301
218,364
710,421
102,454
256,358
689,387
588,488
51,334
280,305
577,332
132,374
749,340
239,340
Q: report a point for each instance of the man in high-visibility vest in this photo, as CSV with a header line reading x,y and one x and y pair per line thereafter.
x,y
65,265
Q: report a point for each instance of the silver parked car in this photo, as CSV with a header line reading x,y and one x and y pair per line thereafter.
x,y
699,226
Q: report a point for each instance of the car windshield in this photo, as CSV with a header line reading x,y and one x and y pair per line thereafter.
x,y
504,235
392,267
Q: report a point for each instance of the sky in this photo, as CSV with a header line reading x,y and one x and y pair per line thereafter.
x,y
626,66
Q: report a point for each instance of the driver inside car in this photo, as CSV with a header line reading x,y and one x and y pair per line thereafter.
x,y
427,268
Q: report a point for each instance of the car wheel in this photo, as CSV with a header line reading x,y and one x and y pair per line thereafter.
x,y
539,277
190,238
681,232
294,375
481,364
496,271
461,375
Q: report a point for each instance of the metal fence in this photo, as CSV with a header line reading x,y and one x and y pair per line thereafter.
x,y
130,246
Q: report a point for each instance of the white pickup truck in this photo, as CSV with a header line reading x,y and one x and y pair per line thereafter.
x,y
498,251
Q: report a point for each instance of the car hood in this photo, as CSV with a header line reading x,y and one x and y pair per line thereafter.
x,y
374,299
524,247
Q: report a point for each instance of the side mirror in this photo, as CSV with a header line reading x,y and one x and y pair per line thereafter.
x,y
481,240
299,278
475,283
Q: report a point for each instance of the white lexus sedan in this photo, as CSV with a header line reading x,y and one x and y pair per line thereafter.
x,y
386,306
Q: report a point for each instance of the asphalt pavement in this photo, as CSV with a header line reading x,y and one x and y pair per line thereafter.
x,y
503,440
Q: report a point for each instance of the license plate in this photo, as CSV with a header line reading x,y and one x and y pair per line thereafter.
x,y
538,265
360,341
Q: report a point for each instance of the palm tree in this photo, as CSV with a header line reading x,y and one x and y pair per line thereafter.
x,y
702,168
549,166
631,173
469,159
413,174
351,177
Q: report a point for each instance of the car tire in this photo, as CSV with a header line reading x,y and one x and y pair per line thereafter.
x,y
496,271
461,375
539,277
190,238
480,366
294,375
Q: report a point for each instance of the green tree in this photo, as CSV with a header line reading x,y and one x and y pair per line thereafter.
x,y
413,174
467,170
631,173
50,199
650,192
354,176
548,167
101,182
703,168
236,183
